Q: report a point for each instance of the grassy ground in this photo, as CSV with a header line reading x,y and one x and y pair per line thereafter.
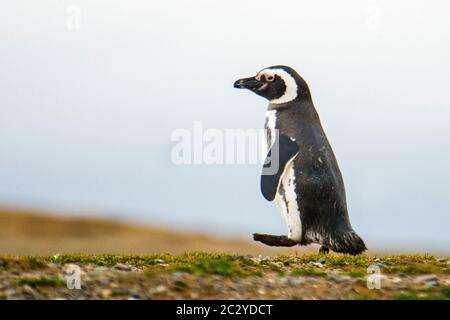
x,y
201,275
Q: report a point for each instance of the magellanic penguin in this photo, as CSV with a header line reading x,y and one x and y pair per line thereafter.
x,y
307,186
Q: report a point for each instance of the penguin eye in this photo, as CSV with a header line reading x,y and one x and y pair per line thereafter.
x,y
270,78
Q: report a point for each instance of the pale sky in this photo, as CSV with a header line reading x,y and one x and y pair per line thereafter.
x,y
87,114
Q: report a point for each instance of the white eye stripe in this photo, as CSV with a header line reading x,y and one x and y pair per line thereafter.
x,y
291,85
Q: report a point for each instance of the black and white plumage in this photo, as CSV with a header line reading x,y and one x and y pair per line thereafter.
x,y
307,187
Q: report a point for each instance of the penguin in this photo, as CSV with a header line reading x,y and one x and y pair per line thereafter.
x,y
301,174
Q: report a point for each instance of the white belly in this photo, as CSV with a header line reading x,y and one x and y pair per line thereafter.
x,y
287,202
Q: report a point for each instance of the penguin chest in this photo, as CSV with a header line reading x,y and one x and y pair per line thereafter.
x,y
287,203
286,197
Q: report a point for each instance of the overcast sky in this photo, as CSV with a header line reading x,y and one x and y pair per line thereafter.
x,y
87,113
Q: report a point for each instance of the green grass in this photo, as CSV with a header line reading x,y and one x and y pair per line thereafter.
x,y
445,291
413,268
160,268
221,267
416,296
48,281
230,265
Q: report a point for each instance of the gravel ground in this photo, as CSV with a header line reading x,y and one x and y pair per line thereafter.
x,y
226,277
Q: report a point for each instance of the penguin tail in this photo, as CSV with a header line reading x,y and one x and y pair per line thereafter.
x,y
347,242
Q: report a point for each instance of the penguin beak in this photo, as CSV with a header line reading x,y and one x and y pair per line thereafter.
x,y
248,83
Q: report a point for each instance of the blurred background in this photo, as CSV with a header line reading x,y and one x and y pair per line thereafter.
x,y
92,90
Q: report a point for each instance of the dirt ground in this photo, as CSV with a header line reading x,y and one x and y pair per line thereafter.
x,y
223,276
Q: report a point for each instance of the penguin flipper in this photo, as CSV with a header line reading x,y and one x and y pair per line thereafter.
x,y
283,151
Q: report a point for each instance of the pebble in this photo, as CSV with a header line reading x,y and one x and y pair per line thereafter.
x,y
32,292
218,286
296,281
160,289
339,278
389,282
426,281
122,267
134,295
380,265
261,259
159,261
426,278
98,270
317,264
105,293
281,281
194,295
178,276
261,291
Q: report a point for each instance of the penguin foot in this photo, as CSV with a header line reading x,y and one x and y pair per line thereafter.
x,y
274,241
323,250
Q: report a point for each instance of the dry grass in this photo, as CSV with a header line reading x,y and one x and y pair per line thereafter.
x,y
25,232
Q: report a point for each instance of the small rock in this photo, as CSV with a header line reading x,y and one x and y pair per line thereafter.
x,y
281,281
218,286
134,295
261,259
380,265
276,264
122,267
160,289
261,291
32,292
426,281
10,294
178,276
105,293
159,261
317,264
430,285
194,295
312,280
389,282
98,270
426,278
296,281
339,278
286,263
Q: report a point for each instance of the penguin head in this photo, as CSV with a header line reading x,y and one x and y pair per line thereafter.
x,y
278,84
